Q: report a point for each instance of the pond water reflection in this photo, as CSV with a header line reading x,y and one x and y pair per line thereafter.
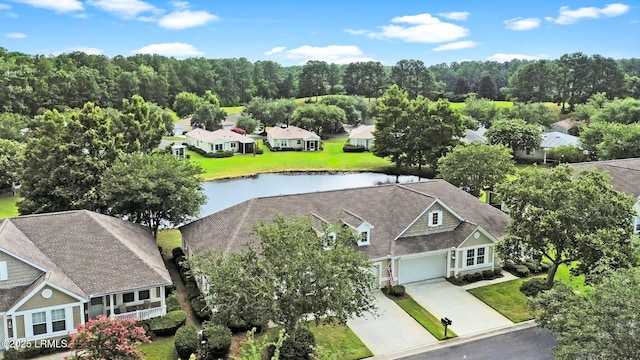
x,y
222,194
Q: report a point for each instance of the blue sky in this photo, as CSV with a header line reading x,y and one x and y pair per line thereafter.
x,y
293,32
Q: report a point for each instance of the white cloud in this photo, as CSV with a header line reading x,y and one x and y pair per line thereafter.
x,y
184,19
520,24
568,16
85,49
181,5
15,36
422,28
455,15
62,6
356,32
5,7
334,54
501,57
170,49
125,8
275,50
456,45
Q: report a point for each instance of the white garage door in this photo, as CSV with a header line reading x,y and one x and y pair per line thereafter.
x,y
422,268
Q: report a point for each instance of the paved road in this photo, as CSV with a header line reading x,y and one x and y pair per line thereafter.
x,y
532,344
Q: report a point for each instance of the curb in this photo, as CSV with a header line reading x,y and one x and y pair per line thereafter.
x,y
455,341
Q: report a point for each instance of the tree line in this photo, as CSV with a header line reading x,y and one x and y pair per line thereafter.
x,y
31,84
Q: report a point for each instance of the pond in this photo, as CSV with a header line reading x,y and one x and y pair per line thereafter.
x,y
222,194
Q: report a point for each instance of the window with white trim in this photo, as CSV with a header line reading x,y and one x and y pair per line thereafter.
x,y
476,256
4,272
144,295
435,218
299,142
636,226
364,238
128,297
39,322
58,320
219,147
233,145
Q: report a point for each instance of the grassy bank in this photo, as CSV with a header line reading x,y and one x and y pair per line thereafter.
x,y
330,159
8,206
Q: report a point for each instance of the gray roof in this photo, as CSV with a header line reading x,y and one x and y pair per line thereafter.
x,y
221,134
85,252
362,132
625,173
475,136
291,132
554,139
389,208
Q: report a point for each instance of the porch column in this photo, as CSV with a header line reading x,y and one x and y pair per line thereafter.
x,y
449,258
163,303
113,300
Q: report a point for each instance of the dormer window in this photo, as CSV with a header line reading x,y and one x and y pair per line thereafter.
x,y
435,218
364,238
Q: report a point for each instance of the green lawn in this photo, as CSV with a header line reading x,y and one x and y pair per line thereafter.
x,y
169,240
330,159
8,206
341,339
506,299
424,318
232,109
160,348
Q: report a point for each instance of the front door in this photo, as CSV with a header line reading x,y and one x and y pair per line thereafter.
x,y
311,145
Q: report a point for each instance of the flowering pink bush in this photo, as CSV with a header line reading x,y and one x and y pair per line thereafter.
x,y
106,338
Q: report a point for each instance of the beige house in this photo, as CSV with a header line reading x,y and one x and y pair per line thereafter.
x,y
220,140
58,270
362,136
413,232
293,137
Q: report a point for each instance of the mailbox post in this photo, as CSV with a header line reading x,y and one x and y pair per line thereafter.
x,y
446,322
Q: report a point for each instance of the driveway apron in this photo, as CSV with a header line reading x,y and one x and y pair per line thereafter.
x,y
468,313
392,330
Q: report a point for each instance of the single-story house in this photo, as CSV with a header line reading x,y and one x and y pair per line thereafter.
x,y
413,232
58,270
566,126
293,137
182,127
220,140
362,136
550,140
625,177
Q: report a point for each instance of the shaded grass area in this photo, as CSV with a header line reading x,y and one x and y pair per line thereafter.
x,y
341,339
160,348
424,318
168,240
330,159
232,109
8,207
506,299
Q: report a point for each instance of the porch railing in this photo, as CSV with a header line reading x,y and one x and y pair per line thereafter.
x,y
143,314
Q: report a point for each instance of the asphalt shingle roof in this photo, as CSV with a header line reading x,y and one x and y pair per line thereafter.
x,y
221,134
362,132
291,132
389,208
85,252
625,173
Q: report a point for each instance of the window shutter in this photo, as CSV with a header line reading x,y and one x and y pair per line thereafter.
x,y
4,274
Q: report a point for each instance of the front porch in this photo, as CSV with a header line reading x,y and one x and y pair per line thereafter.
x,y
139,304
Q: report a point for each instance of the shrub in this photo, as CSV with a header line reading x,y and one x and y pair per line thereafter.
x,y
497,272
473,277
168,324
397,290
219,154
534,286
259,151
192,288
172,303
300,348
177,253
509,265
533,266
11,354
353,148
521,270
488,274
186,341
199,306
239,324
545,266
106,338
218,342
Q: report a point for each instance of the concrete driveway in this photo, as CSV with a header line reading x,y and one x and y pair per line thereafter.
x,y
443,299
393,330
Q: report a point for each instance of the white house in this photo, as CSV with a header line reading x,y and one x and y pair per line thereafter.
x,y
293,137
362,136
220,140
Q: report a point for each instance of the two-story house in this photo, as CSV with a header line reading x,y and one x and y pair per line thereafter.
x,y
413,232
58,270
625,177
